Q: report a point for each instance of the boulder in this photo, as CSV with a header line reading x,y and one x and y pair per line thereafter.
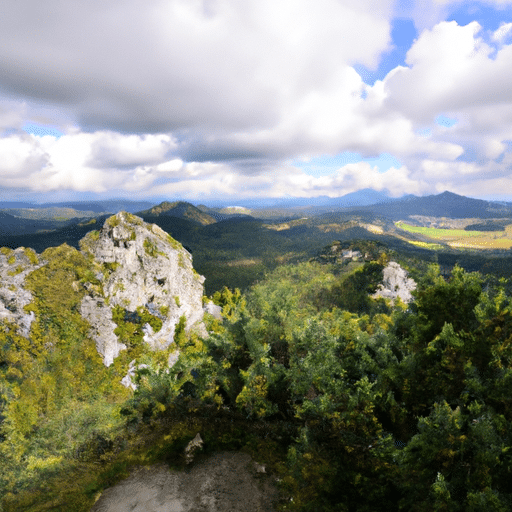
x,y
395,283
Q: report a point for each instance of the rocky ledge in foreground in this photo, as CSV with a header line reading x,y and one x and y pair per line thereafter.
x,y
225,482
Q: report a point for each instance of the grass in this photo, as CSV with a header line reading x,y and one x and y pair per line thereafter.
x,y
426,245
439,233
458,238
498,243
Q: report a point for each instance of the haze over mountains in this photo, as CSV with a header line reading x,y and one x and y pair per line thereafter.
x,y
25,218
236,244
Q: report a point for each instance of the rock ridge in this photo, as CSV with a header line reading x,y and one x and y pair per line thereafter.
x,y
15,265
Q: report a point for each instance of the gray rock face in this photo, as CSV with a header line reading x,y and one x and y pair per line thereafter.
x,y
99,316
395,283
148,269
191,448
214,310
14,268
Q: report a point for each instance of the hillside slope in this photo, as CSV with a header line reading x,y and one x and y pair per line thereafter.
x,y
181,210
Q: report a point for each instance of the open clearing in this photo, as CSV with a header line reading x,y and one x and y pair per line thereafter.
x,y
459,238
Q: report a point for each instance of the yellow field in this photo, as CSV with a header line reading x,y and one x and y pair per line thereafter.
x,y
372,228
426,245
459,238
242,263
497,243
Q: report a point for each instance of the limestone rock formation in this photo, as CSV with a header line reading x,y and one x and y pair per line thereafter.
x,y
192,447
146,268
99,316
214,310
14,267
395,283
133,265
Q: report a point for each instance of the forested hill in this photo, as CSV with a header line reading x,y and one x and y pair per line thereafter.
x,y
181,210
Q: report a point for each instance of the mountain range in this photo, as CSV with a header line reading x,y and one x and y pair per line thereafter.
x,y
235,245
18,216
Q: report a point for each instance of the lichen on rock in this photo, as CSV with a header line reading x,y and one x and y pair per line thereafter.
x,y
130,268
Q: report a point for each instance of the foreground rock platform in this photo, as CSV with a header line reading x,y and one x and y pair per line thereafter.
x,y
224,482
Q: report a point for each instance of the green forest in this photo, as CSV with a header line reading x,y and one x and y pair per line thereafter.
x,y
352,403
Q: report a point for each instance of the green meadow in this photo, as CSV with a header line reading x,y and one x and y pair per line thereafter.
x,y
459,238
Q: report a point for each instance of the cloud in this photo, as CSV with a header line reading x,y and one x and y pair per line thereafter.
x,y
204,97
454,72
353,177
11,115
212,180
111,149
502,33
20,160
450,69
158,65
81,161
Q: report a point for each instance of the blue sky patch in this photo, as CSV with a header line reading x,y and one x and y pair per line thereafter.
x,y
489,17
424,132
447,122
41,130
403,33
508,149
326,165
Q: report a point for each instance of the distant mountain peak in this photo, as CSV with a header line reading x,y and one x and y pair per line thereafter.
x,y
445,204
452,195
182,210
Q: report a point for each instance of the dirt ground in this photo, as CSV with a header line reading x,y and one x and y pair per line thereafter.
x,y
225,482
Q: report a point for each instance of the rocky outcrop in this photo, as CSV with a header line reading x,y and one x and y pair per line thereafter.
x,y
133,265
225,482
214,310
192,447
144,267
395,283
14,268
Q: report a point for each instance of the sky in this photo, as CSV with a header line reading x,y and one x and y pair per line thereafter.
x,y
226,100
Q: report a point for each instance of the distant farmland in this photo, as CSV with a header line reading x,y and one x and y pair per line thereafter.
x,y
459,238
